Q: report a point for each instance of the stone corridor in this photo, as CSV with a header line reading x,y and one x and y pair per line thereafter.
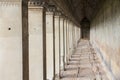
x,y
84,64
59,39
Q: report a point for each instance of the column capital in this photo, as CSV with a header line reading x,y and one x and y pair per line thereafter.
x,y
51,8
63,16
39,3
58,13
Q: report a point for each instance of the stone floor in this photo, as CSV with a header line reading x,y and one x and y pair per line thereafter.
x,y
84,65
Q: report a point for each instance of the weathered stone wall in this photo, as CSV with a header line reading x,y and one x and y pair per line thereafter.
x,y
10,40
105,36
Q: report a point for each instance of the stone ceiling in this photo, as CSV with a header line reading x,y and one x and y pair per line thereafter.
x,y
78,9
84,8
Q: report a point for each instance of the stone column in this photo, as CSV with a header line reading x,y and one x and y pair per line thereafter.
x,y
78,33
74,44
50,43
57,43
65,40
37,41
70,38
73,38
61,43
76,36
13,40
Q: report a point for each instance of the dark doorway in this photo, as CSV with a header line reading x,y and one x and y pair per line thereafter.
x,y
85,28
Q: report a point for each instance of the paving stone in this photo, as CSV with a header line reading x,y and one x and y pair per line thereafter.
x,y
84,65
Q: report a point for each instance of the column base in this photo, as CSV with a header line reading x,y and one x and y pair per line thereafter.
x,y
57,77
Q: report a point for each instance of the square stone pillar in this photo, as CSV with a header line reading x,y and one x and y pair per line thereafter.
x,y
14,40
61,43
65,40
78,33
50,44
70,38
73,47
74,43
76,37
37,42
57,43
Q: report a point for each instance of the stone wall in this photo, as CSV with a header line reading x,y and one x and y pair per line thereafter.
x,y
105,36
10,40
